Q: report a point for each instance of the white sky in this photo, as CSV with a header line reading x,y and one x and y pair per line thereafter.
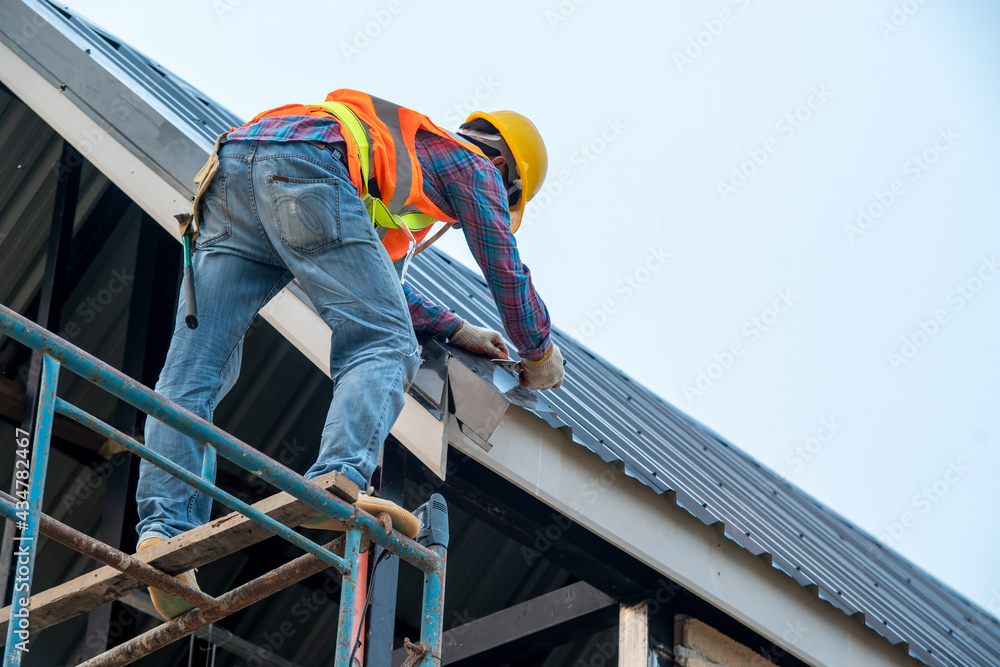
x,y
672,131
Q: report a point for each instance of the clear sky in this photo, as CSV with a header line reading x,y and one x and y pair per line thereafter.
x,y
781,217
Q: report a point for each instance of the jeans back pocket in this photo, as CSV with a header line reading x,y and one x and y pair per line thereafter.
x,y
307,212
215,225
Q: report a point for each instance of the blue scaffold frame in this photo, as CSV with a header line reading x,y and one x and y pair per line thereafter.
x,y
59,354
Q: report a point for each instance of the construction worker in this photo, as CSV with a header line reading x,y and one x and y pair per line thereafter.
x,y
294,193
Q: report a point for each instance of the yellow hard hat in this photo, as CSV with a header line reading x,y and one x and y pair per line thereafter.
x,y
527,149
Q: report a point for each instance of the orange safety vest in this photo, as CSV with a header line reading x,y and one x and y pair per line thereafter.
x,y
392,132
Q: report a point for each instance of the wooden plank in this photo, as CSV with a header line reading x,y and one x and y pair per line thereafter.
x,y
199,546
531,627
633,635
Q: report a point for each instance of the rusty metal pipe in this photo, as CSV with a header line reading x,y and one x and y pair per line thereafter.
x,y
119,560
203,485
278,579
433,611
158,407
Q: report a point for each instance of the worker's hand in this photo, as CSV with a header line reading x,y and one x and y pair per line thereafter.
x,y
546,373
480,341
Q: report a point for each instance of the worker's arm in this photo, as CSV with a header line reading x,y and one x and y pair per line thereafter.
x,y
479,201
468,188
429,318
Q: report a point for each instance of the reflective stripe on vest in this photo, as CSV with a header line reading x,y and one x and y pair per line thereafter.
x,y
387,216
404,167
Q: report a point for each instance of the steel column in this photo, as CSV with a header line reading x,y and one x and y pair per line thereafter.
x,y
348,588
27,542
382,619
360,602
432,611
54,285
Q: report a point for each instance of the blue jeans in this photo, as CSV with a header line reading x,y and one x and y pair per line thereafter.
x,y
274,211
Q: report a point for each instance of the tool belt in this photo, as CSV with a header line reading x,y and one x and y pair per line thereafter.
x,y
189,222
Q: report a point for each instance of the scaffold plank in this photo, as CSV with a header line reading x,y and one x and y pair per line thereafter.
x,y
204,544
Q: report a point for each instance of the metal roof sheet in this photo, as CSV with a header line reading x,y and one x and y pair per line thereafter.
x,y
661,446
667,450
200,114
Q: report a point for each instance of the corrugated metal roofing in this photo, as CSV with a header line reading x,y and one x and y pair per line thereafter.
x,y
665,449
200,114
668,451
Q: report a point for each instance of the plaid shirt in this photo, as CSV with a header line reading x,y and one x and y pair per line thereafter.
x,y
470,189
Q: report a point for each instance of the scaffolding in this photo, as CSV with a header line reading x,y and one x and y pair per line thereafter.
x,y
299,500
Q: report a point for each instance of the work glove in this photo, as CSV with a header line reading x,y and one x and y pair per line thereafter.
x,y
546,373
480,341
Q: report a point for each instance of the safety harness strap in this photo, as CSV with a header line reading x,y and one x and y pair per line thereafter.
x,y
359,134
381,213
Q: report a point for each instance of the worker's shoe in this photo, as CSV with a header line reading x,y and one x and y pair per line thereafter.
x,y
169,606
402,520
